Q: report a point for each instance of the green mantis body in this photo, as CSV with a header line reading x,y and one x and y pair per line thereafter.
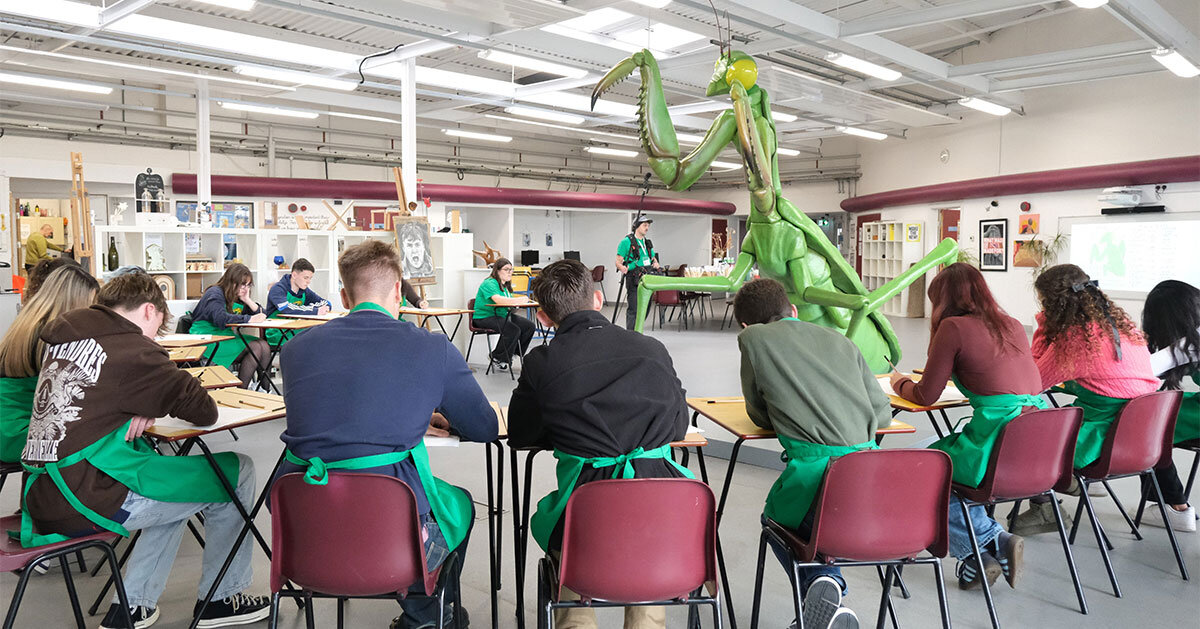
x,y
784,243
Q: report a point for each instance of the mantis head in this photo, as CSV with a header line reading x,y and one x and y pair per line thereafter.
x,y
732,66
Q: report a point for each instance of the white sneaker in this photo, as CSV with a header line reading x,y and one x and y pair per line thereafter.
x,y
1183,521
1097,490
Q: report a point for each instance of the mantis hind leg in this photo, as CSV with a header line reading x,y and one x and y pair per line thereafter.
x,y
830,302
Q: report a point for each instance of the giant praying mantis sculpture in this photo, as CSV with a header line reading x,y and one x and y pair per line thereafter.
x,y
784,243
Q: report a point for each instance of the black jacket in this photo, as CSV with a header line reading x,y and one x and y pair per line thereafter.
x,y
598,390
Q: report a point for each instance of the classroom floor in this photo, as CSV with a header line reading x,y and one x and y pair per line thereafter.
x,y
707,362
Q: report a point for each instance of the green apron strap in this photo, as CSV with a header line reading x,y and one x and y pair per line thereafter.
x,y
971,448
792,494
317,472
1099,412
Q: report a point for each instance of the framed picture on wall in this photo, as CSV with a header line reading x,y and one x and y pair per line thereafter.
x,y
993,244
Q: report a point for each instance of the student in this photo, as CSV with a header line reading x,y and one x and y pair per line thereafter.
x,y
347,406
228,302
515,331
1089,344
114,480
39,273
1171,321
986,352
292,295
812,387
594,392
21,350
412,297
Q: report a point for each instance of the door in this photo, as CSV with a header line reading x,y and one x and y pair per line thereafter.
x,y
948,224
858,238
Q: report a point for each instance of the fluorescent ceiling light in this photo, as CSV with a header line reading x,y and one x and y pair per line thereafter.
x,y
664,36
454,80
1175,62
39,81
272,111
782,117
141,68
529,63
725,165
543,114
687,137
862,133
628,140
239,5
54,11
698,107
590,22
863,66
343,114
302,78
558,126
579,102
617,29
786,152
600,150
984,106
1089,4
656,4
459,133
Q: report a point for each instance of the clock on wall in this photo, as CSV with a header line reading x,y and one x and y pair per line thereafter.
x,y
944,156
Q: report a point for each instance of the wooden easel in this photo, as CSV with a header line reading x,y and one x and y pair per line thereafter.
x,y
81,215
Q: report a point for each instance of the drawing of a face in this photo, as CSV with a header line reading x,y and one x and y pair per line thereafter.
x,y
414,251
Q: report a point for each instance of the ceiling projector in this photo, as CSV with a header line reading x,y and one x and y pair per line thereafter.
x,y
1121,197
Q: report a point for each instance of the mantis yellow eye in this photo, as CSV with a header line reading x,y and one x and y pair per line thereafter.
x,y
744,71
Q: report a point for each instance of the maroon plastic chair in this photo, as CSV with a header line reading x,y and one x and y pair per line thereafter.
x,y
670,300
1033,456
642,541
1139,440
357,537
487,335
874,508
598,278
16,558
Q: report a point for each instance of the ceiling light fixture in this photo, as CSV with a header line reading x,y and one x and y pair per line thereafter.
x,y
600,150
986,107
40,81
237,5
558,126
782,117
687,137
54,11
862,66
141,68
302,78
343,114
653,4
530,112
862,133
725,165
529,63
579,102
1173,61
271,111
459,133
786,152
1089,4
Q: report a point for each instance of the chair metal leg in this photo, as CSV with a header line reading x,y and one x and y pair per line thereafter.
x,y
885,603
82,564
69,580
273,619
1187,490
309,619
1162,509
987,589
794,576
941,590
1062,534
116,571
1120,507
758,579
1078,514
341,613
1100,539
18,593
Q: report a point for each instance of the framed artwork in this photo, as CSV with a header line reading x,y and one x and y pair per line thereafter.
x,y
1028,224
416,256
912,232
993,244
1025,256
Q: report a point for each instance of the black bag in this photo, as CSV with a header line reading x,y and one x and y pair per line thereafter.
x,y
185,324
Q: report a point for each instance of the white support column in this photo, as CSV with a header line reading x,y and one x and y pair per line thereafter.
x,y
203,147
408,128
270,151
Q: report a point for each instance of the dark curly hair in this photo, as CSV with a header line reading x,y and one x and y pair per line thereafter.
x,y
1072,302
1172,315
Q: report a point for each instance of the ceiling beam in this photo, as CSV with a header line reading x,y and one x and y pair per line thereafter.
x,y
1050,59
120,9
932,15
1148,19
1079,76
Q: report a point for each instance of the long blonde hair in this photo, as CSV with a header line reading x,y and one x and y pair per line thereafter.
x,y
67,288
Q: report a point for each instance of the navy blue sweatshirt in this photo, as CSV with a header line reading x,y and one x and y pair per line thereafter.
x,y
211,308
277,299
367,384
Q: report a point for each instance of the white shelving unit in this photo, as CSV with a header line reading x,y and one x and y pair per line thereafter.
x,y
887,253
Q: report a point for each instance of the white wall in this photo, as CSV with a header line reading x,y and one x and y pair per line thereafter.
x,y
596,236
682,239
538,223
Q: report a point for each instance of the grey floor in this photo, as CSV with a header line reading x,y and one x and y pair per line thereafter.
x,y
707,362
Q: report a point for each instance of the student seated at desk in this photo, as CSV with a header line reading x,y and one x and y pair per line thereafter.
x,y
102,382
1088,343
225,303
345,405
811,386
515,331
292,295
595,392
21,350
986,352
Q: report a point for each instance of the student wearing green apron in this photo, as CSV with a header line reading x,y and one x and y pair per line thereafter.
x,y
367,411
606,400
812,387
21,351
102,381
293,295
225,303
1171,321
1086,342
986,352
494,293
635,255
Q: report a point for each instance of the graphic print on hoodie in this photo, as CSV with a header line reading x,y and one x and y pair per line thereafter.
x,y
67,370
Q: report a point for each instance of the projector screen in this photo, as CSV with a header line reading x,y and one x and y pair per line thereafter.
x,y
1132,254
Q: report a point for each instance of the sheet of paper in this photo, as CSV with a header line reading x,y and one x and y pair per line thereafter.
x,y
949,394
225,417
441,442
692,430
328,316
272,323
184,337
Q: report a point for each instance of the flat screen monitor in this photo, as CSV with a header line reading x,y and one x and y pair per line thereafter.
x,y
530,257
571,255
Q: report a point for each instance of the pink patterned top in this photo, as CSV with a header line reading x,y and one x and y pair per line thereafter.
x,y
1099,370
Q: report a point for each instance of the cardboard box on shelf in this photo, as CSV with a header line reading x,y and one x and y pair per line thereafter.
x,y
195,286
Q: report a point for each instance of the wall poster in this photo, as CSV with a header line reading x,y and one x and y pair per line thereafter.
x,y
993,244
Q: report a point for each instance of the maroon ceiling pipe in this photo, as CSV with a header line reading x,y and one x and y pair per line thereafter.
x,y
1170,170
283,187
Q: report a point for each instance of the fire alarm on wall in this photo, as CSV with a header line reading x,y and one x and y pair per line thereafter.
x,y
1025,206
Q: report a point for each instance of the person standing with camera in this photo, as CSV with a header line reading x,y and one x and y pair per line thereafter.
x,y
636,257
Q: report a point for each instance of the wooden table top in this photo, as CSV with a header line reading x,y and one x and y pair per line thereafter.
x,y
500,419
525,304
902,404
215,377
329,316
186,354
279,324
195,340
271,405
434,312
729,412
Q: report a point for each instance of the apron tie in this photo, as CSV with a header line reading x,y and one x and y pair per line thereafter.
x,y
317,473
622,463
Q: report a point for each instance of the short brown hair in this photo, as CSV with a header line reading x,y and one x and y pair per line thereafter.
x,y
130,290
563,288
301,265
41,271
761,301
369,268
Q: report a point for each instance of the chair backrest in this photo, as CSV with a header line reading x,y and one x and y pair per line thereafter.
x,y
359,535
471,321
877,505
520,280
1141,435
667,297
637,540
598,273
1035,452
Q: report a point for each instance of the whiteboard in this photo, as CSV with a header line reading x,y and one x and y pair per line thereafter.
x,y
1128,255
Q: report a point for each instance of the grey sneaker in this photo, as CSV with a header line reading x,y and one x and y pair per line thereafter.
x,y
968,572
844,618
1011,556
821,601
1039,519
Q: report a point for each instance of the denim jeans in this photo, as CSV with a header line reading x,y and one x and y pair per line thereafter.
x,y
807,574
986,529
162,526
421,612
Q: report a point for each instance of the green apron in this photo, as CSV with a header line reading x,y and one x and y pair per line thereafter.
x,y
551,507
1187,424
1099,412
450,505
138,466
16,395
971,449
225,352
792,495
273,336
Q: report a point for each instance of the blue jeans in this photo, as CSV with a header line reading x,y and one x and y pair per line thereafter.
x,y
986,529
162,526
421,612
807,574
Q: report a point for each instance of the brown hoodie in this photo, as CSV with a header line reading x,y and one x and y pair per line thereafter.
x,y
98,371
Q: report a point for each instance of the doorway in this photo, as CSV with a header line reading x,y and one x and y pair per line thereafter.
x,y
948,223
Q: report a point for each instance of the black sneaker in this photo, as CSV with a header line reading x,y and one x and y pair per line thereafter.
x,y
968,572
142,617
239,609
402,621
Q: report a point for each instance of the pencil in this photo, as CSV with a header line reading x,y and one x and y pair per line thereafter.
x,y
734,401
